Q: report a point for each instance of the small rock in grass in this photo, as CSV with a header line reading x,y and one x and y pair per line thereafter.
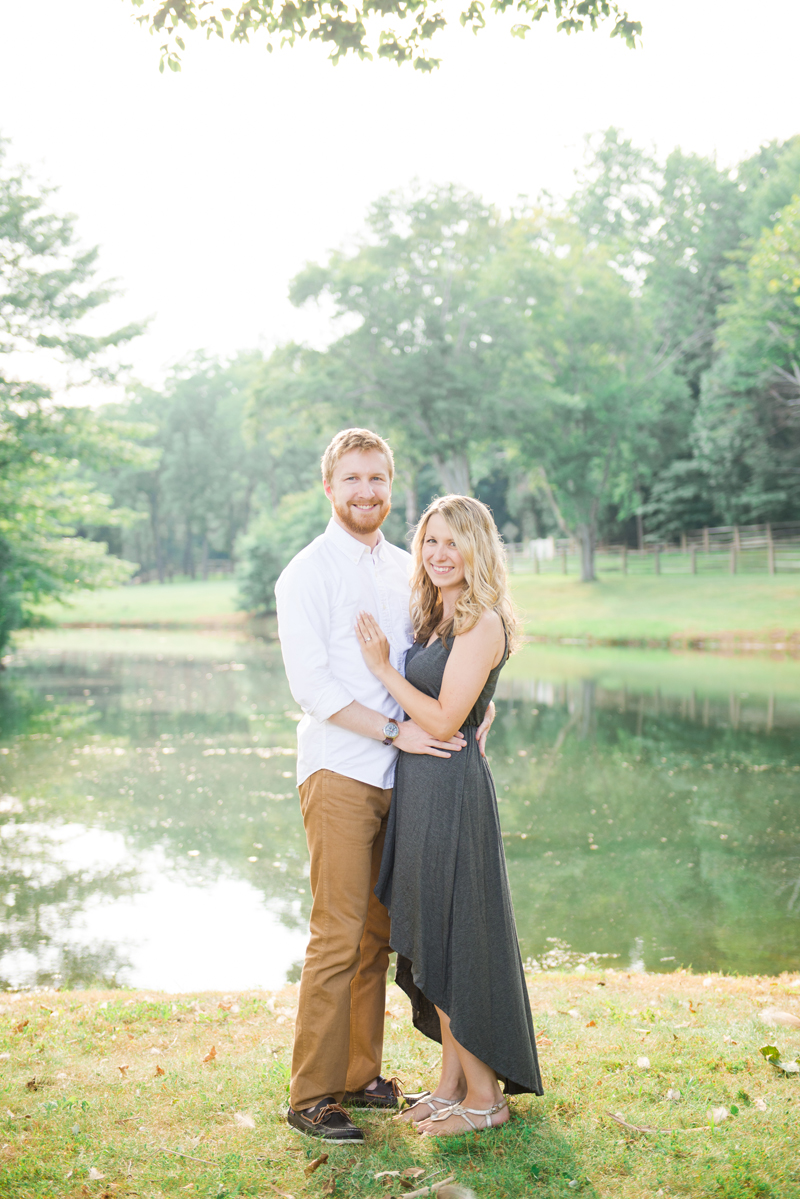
x,y
643,1062
674,1094
774,1016
717,1114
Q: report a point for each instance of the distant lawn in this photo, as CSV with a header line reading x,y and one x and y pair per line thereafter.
x,y
170,604
632,608
660,608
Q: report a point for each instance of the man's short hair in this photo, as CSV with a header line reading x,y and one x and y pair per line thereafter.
x,y
354,439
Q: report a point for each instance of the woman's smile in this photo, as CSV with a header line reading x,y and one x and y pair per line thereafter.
x,y
442,561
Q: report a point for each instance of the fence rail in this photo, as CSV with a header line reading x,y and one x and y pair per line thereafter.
x,y
725,549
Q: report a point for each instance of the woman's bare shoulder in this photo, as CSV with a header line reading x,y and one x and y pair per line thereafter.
x,y
489,629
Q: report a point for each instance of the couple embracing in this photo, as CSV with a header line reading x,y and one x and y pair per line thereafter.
x,y
394,659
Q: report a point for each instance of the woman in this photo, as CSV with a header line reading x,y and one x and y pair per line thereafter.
x,y
443,875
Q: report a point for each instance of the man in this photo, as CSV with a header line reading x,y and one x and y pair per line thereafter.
x,y
347,743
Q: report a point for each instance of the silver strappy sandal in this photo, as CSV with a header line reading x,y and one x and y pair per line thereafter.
x,y
429,1101
458,1110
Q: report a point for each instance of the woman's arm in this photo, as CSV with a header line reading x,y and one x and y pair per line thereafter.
x,y
472,657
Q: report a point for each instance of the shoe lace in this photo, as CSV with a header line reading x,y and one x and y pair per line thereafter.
x,y
396,1085
326,1111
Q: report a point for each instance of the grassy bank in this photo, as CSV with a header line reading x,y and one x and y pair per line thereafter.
x,y
634,608
671,608
211,603
128,1093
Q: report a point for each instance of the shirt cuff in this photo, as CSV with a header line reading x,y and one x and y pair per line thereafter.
x,y
329,701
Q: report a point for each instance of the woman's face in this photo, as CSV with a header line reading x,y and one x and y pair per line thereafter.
x,y
441,559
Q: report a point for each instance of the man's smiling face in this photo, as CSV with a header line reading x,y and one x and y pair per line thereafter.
x,y
361,492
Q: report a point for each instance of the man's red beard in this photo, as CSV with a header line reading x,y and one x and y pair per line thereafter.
x,y
362,522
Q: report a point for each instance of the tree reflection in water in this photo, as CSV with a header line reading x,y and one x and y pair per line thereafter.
x,y
659,826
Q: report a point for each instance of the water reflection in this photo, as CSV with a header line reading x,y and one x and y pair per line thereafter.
x,y
150,834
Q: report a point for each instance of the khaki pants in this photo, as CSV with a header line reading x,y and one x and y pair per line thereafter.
x,y
338,1041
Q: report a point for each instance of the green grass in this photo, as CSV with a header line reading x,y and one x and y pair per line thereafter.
x,y
169,604
634,608
661,608
134,1093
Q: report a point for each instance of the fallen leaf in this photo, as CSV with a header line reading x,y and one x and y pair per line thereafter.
x,y
19,1027
212,1053
673,1094
774,1017
315,1165
413,1172
123,1070
159,1071
643,1062
730,1041
694,1010
224,1007
760,1103
773,1056
543,1041
454,1192
592,1024
573,1011
32,1085
387,1174
95,1175
717,1114
330,1186
155,1050
435,1189
243,1120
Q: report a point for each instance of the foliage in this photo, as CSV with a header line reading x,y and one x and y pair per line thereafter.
x,y
46,289
217,464
272,541
747,429
363,31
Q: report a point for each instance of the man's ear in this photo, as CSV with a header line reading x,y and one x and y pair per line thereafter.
x,y
326,487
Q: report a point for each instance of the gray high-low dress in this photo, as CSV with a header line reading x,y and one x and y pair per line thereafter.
x,y
443,878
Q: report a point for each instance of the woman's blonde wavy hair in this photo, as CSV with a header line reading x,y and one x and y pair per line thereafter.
x,y
485,576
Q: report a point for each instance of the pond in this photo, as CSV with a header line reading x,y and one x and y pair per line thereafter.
x,y
150,834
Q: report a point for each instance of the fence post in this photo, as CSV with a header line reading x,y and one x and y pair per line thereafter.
x,y
624,559
536,564
705,541
683,543
564,561
733,560
693,563
737,541
656,561
770,551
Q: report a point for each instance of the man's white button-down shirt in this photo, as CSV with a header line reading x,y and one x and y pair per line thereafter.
x,y
319,596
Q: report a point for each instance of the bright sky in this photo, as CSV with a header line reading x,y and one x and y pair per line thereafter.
x,y
207,190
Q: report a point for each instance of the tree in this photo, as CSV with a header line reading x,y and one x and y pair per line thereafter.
x,y
682,232
747,428
363,31
46,289
587,437
434,312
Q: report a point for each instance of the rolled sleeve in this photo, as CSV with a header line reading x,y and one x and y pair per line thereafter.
x,y
304,632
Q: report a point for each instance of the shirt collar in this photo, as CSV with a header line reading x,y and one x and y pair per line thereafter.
x,y
351,546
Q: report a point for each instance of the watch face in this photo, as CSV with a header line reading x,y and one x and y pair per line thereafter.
x,y
391,730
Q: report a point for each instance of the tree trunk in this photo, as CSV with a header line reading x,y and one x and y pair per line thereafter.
x,y
454,474
586,538
188,555
410,495
205,555
157,546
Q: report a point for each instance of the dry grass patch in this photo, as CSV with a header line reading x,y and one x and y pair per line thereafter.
x,y
141,1094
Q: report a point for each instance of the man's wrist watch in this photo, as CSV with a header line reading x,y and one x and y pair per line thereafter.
x,y
391,731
